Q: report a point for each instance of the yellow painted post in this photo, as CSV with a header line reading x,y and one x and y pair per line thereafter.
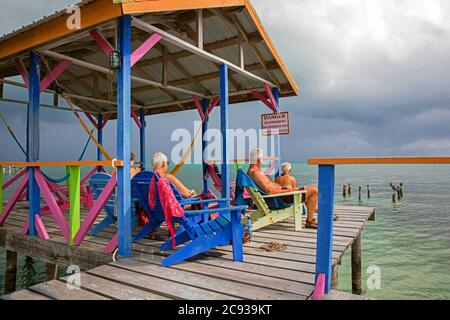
x,y
75,196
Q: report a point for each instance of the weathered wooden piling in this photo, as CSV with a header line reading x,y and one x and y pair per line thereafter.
x,y
51,271
401,190
344,191
335,277
349,189
356,266
368,191
359,193
10,271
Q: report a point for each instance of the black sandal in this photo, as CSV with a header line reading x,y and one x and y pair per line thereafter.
x,y
311,225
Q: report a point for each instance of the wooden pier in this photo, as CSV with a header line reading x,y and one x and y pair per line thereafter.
x,y
285,274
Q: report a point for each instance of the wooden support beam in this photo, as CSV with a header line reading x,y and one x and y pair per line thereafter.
x,y
200,28
335,277
10,272
356,266
201,53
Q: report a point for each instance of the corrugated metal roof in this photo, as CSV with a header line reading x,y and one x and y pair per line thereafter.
x,y
220,35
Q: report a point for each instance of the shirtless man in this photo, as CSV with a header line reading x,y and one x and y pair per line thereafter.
x,y
264,182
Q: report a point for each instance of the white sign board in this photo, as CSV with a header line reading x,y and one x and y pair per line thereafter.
x,y
275,124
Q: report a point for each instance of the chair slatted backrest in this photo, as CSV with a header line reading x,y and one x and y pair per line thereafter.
x,y
140,187
97,184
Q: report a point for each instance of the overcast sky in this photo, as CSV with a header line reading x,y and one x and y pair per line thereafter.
x,y
374,78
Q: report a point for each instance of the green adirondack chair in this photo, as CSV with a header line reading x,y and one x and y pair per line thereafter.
x,y
270,209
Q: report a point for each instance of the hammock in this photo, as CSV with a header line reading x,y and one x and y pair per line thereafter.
x,y
11,132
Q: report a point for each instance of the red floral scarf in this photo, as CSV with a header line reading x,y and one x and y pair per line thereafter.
x,y
169,203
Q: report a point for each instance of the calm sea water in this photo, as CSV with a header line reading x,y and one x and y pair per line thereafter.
x,y
409,241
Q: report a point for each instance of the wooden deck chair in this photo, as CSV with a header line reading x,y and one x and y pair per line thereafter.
x,y
270,209
97,183
197,237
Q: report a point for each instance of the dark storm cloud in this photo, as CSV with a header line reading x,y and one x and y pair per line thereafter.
x,y
374,78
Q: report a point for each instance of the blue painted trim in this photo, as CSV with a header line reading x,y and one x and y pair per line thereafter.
x,y
100,136
33,138
124,137
224,124
205,105
276,95
324,252
142,138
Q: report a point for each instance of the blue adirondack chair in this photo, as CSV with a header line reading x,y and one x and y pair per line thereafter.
x,y
197,233
97,183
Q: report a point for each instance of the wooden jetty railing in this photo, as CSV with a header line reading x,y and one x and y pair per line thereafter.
x,y
326,206
34,182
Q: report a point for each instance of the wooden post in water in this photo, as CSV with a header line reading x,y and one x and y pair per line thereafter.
x,y
335,277
401,190
344,191
10,272
349,190
356,266
360,193
51,271
368,191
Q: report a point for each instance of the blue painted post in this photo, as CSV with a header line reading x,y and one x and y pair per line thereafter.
x,y
34,92
224,122
142,140
100,136
324,252
205,105
99,139
276,94
124,136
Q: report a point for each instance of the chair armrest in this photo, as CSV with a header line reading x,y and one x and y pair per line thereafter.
x,y
293,193
218,210
195,201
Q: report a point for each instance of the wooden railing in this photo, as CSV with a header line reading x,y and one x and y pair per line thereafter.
x,y
326,203
35,183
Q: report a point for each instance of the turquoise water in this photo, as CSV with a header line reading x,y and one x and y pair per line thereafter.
x,y
409,241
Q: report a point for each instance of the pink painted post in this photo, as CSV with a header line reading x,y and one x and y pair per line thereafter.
x,y
54,74
272,100
105,121
95,210
40,228
199,106
136,119
263,99
23,72
53,205
213,104
14,179
112,245
12,202
144,48
106,47
91,119
319,289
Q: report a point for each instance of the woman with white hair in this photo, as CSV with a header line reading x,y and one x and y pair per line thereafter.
x,y
286,180
160,165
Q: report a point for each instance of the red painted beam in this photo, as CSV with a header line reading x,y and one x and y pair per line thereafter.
x,y
199,106
144,48
106,47
136,119
23,72
54,74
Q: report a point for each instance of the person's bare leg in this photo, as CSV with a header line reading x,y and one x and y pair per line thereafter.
x,y
312,199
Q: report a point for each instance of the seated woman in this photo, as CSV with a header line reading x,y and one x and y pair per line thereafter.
x,y
160,165
133,171
287,181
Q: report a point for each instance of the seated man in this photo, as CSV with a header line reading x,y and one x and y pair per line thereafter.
x,y
133,171
270,187
160,165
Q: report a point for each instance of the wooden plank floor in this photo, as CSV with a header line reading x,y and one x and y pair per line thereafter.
x,y
286,274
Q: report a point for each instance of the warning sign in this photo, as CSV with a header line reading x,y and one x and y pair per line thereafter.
x,y
275,124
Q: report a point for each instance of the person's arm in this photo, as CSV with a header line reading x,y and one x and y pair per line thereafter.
x,y
184,191
267,185
293,182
